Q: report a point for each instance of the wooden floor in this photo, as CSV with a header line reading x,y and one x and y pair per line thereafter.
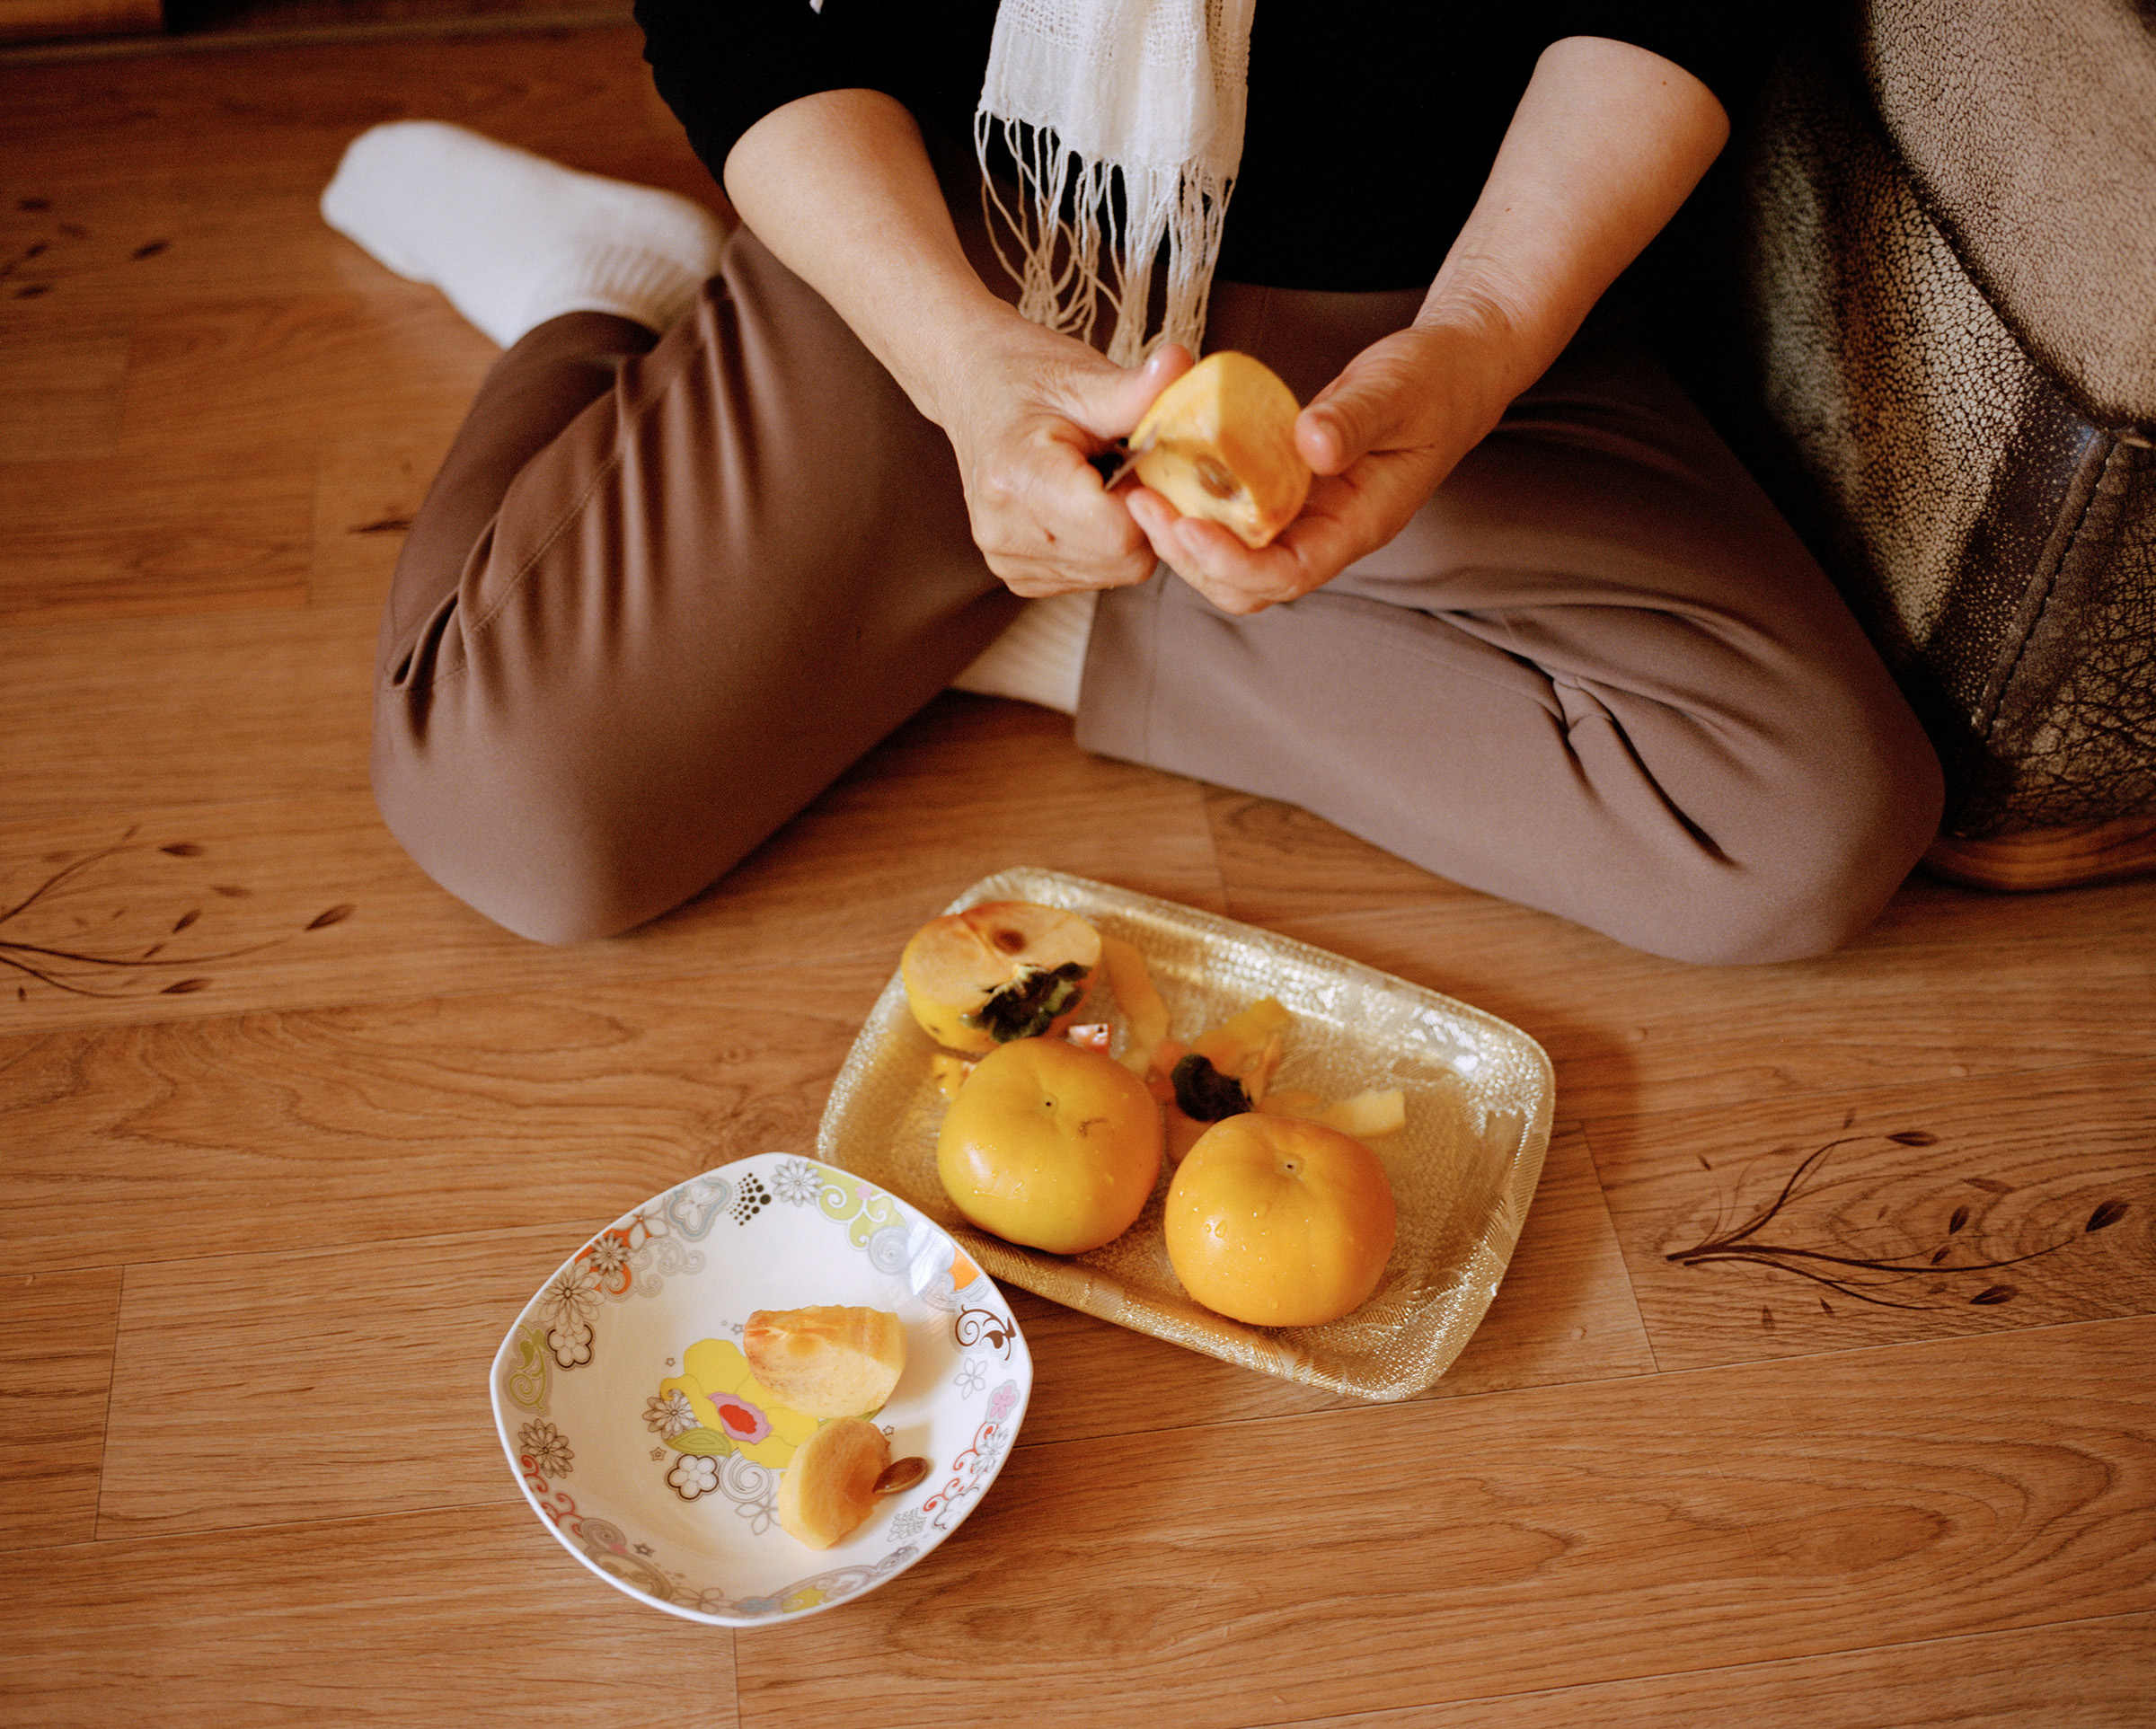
x,y
282,1159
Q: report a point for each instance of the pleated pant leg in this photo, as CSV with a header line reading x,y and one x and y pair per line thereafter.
x,y
621,651
1597,675
662,595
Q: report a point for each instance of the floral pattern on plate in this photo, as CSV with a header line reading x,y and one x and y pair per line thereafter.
x,y
645,1444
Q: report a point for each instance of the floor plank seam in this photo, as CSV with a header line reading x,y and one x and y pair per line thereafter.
x,y
1632,1283
1756,1665
257,1528
104,1437
567,1233
234,41
2069,1063
690,967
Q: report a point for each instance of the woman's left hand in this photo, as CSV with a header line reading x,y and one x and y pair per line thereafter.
x,y
1607,142
1380,438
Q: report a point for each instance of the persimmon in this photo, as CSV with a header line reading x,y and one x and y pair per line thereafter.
x,y
829,1487
999,971
1050,1145
829,1360
1279,1222
1219,443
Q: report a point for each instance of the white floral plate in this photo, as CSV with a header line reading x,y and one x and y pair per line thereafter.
x,y
643,1441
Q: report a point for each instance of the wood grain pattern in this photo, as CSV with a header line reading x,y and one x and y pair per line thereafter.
x,y
1390,1558
2078,1675
371,1124
1910,1216
38,21
228,370
468,1615
366,491
61,377
241,1404
264,1231
56,1380
115,555
140,714
2053,858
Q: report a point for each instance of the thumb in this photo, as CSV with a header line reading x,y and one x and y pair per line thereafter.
x,y
1109,402
1362,411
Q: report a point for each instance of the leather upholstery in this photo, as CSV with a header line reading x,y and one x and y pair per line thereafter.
x,y
1990,514
2029,130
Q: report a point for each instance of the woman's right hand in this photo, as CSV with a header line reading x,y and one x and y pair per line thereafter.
x,y
1026,411
840,187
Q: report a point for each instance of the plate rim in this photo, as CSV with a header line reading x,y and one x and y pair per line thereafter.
x,y
1011,1423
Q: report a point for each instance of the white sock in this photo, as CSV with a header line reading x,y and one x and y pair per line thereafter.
x,y
514,239
1041,658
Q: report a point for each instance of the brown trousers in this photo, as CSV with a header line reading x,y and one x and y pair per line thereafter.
x,y
666,590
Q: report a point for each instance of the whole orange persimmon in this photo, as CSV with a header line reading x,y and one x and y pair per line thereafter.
x,y
1050,1145
1279,1222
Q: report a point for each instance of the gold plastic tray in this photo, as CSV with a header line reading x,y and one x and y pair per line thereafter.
x,y
1479,1097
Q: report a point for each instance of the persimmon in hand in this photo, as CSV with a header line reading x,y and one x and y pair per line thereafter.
x,y
1219,443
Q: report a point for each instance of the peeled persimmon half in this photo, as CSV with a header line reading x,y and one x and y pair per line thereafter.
x,y
829,1360
829,1487
1219,443
998,971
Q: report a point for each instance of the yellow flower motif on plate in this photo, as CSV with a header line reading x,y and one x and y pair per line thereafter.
x,y
727,1398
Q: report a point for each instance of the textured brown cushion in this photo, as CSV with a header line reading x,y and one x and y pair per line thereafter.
x,y
1997,539
2028,131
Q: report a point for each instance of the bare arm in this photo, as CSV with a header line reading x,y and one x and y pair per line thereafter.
x,y
1605,145
839,186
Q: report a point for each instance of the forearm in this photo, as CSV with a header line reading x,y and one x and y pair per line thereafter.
x,y
839,186
1607,142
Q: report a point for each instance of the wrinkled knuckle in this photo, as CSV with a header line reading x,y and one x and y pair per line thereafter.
x,y
999,489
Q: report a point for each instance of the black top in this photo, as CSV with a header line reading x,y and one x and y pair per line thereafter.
x,y
1370,128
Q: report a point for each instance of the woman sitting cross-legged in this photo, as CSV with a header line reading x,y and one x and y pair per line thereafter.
x,y
730,508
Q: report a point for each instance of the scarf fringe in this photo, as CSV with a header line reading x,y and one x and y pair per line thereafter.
x,y
1062,285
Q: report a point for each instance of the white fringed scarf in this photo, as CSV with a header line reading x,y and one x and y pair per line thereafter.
x,y
1093,95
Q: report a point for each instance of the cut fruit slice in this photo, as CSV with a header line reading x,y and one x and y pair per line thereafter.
x,y
999,971
1219,443
829,1487
826,1361
1140,999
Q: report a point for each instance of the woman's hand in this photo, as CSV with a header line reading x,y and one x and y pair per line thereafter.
x,y
840,187
1381,439
1607,142
1025,414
